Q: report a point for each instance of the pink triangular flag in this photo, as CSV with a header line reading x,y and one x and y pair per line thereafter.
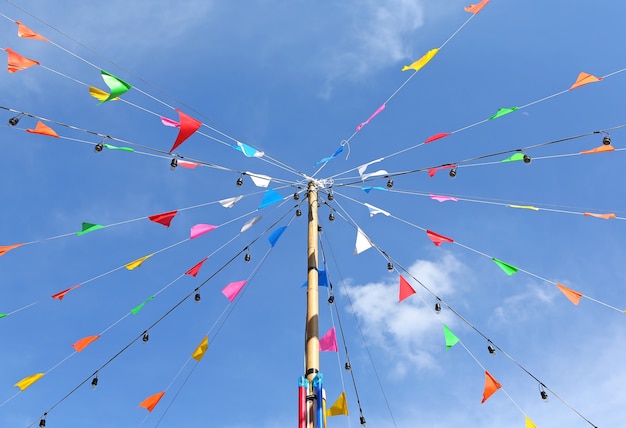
x,y
201,229
405,289
328,342
443,198
436,137
437,238
232,289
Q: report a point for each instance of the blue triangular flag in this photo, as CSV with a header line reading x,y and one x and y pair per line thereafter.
x,y
322,279
369,189
270,197
275,235
339,150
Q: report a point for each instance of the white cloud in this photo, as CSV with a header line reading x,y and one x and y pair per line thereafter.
x,y
516,308
408,330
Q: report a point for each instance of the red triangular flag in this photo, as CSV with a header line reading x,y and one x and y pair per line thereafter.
x,y
82,343
150,402
43,129
437,238
27,33
405,289
188,125
573,296
60,295
328,342
491,386
6,248
194,270
18,62
164,218
436,137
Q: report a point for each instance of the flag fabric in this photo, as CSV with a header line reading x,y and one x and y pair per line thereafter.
x,y
491,386
362,242
6,248
89,227
475,8
501,112
529,423
17,62
369,119
339,407
150,402
273,238
328,342
200,229
28,381
26,33
573,296
259,180
196,269
601,149
405,289
84,342
61,294
437,238
420,63
247,150
375,210
188,126
443,198
584,79
507,268
450,337
230,202
139,307
137,263
201,349
99,94
436,137
333,156
247,225
232,290
43,129
604,216
116,85
270,197
164,218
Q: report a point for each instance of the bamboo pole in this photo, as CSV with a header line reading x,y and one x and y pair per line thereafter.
x,y
312,344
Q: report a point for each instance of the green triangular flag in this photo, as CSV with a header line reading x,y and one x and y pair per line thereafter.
x,y
89,227
507,268
3,315
515,157
502,112
126,149
138,308
116,85
451,339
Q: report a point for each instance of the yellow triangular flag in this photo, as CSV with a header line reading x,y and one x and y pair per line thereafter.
x,y
417,65
138,262
339,407
28,381
201,349
99,94
529,423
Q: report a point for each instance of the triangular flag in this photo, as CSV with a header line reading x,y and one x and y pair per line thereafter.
x,y
328,342
188,125
507,268
270,197
451,338
259,180
99,94
362,124
433,171
380,172
362,242
169,122
28,381
124,149
201,229
604,216
115,84
513,158
363,167
442,198
247,150
375,210
250,223
501,112
491,386
436,137
137,263
18,62
194,270
333,156
188,165
82,343
6,248
584,79
26,33
369,189
201,349
529,423
339,407
273,238
43,129
601,149
230,202
89,227
139,307
61,294
3,315
573,296
405,289
524,207
232,289
322,278
164,218
475,8
417,65
150,402
437,238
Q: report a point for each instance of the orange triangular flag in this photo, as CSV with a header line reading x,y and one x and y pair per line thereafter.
x,y
27,33
150,402
491,386
584,79
43,129
475,8
82,343
6,248
573,296
604,216
602,148
405,289
18,62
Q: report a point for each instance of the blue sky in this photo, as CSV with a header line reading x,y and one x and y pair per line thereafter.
x,y
294,80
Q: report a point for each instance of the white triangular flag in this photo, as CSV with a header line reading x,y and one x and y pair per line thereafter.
x,y
250,223
362,242
374,174
230,202
259,180
375,210
363,167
